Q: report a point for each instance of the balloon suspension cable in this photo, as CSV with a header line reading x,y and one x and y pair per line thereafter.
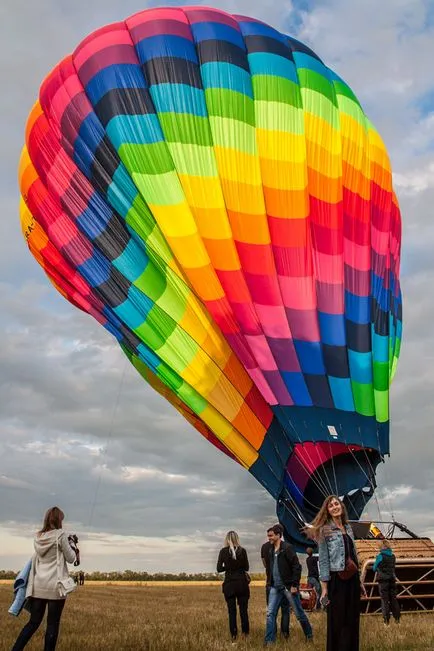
x,y
388,497
108,440
332,457
321,465
367,477
322,488
318,481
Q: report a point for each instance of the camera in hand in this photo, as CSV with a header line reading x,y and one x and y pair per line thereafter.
x,y
73,541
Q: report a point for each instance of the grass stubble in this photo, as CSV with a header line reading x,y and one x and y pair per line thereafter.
x,y
190,618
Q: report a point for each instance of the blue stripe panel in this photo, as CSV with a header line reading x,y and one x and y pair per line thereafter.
x,y
166,45
134,129
148,357
121,192
265,63
253,28
380,347
132,261
118,75
319,390
310,356
113,331
111,316
309,63
332,328
94,219
360,366
217,74
216,31
380,292
134,310
96,270
357,308
87,142
179,98
294,490
399,330
342,393
297,388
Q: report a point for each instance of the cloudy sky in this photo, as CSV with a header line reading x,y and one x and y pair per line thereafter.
x,y
78,427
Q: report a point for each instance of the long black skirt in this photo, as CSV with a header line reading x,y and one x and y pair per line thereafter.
x,y
343,613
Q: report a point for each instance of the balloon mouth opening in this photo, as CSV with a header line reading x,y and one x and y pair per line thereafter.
x,y
321,470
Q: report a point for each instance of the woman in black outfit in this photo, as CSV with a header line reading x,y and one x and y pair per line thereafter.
x,y
234,563
339,574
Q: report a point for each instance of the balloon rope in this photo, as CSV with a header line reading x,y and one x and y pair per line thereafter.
x,y
368,478
387,496
332,457
108,440
322,467
318,481
384,498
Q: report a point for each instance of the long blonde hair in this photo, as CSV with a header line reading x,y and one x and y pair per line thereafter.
x,y
323,517
232,541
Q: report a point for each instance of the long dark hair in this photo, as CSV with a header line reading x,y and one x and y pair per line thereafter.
x,y
52,520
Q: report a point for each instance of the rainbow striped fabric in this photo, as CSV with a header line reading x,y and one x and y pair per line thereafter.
x,y
214,195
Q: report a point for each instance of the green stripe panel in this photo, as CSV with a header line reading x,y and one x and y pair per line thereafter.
x,y
381,376
381,406
309,79
185,128
363,398
146,159
229,104
276,89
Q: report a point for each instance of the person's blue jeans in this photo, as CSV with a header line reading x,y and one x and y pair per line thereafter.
x,y
314,583
284,613
274,601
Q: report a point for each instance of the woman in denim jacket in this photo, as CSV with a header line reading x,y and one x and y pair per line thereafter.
x,y
337,552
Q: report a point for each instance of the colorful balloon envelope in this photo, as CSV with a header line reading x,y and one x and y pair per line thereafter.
x,y
214,195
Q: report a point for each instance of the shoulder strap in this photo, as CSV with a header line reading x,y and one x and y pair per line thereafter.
x,y
58,556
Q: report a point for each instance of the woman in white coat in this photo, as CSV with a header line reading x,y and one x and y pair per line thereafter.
x,y
52,552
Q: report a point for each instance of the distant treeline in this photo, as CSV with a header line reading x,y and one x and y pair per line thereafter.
x,y
129,575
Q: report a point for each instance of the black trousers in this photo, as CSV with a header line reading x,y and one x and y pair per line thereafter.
x,y
37,612
343,613
243,602
389,602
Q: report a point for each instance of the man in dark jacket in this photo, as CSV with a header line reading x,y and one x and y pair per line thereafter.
x,y
384,566
285,573
284,604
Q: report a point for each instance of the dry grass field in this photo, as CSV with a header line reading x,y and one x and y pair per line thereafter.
x,y
189,618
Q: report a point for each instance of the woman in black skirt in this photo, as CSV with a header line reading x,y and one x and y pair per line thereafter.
x,y
339,574
234,563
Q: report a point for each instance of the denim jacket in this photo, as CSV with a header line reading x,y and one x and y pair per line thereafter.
x,y
331,549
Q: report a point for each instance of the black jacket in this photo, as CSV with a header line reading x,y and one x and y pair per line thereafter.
x,y
312,566
288,564
385,566
235,582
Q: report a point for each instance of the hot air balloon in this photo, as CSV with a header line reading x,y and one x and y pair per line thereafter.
x,y
214,195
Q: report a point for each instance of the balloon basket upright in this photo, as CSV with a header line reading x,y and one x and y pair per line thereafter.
x,y
414,569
